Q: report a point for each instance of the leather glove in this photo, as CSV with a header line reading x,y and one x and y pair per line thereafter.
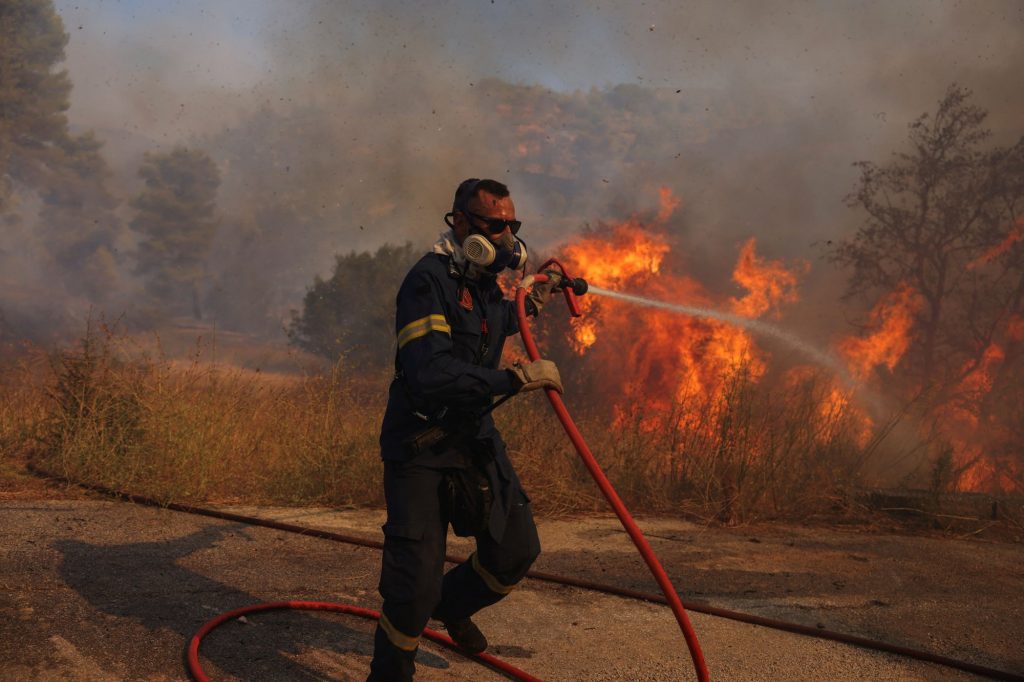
x,y
541,292
537,374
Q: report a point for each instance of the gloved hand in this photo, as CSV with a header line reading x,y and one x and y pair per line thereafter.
x,y
537,374
541,292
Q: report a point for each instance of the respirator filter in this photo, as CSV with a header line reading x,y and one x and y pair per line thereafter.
x,y
482,252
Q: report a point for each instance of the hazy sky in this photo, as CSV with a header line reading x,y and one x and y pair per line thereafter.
x,y
799,90
882,58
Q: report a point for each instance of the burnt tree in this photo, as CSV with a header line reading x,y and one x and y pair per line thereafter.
x,y
945,217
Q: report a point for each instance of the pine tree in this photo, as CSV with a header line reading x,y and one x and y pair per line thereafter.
x,y
176,221
33,95
78,222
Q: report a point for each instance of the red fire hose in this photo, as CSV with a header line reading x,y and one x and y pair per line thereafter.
x,y
594,468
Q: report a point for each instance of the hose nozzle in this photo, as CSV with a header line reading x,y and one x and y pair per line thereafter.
x,y
578,285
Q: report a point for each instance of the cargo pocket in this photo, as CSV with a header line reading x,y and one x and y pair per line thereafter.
x,y
402,563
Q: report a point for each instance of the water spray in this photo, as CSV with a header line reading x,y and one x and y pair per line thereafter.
x,y
819,356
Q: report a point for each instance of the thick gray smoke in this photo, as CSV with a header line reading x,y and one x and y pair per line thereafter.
x,y
345,125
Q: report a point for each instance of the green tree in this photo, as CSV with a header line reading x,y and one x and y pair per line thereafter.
x,y
945,218
33,95
352,314
176,220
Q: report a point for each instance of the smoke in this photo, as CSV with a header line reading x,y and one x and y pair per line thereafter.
x,y
345,125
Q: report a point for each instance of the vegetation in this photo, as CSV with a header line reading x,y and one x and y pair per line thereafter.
x,y
946,219
107,413
352,314
943,218
79,223
177,223
33,95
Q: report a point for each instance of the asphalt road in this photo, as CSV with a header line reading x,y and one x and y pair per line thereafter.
x,y
93,589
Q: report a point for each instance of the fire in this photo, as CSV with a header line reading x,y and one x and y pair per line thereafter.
x,y
963,423
659,357
892,320
1015,328
837,409
652,362
628,255
668,204
769,283
888,337
960,421
1015,234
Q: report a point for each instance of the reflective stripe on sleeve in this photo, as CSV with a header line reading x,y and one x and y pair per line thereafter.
x,y
492,583
422,326
397,637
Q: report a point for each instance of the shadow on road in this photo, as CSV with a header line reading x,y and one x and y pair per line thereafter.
x,y
144,582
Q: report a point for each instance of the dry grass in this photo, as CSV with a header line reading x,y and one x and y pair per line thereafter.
x,y
744,455
113,413
107,413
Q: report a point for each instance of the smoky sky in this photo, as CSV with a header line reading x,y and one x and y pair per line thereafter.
x,y
169,71
751,112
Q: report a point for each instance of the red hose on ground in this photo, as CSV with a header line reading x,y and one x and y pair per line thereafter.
x,y
606,488
193,646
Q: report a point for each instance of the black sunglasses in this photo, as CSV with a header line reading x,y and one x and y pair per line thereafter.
x,y
498,225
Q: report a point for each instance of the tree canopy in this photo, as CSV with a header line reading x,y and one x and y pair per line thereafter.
x,y
176,221
945,218
33,95
352,314
945,223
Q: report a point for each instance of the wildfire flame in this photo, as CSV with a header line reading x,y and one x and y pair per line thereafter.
x,y
958,420
655,360
1015,234
769,284
667,356
892,319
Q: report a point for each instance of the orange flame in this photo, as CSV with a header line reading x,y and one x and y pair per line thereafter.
x,y
666,356
892,319
960,422
1015,328
769,283
1015,234
654,360
668,204
837,409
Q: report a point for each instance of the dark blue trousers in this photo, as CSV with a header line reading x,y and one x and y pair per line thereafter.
x,y
412,579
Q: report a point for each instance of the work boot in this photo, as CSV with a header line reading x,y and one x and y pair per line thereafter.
x,y
467,635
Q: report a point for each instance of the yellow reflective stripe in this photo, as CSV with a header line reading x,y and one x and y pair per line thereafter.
x,y
492,583
397,637
421,327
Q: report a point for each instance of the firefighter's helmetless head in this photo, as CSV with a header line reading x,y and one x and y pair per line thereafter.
x,y
483,219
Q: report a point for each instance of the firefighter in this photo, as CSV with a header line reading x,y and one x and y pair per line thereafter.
x,y
444,461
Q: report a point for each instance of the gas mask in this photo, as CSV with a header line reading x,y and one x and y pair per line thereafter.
x,y
492,258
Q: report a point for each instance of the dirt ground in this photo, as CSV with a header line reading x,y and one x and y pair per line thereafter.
x,y
96,589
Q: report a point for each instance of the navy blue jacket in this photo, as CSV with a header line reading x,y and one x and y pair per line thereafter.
x,y
451,332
